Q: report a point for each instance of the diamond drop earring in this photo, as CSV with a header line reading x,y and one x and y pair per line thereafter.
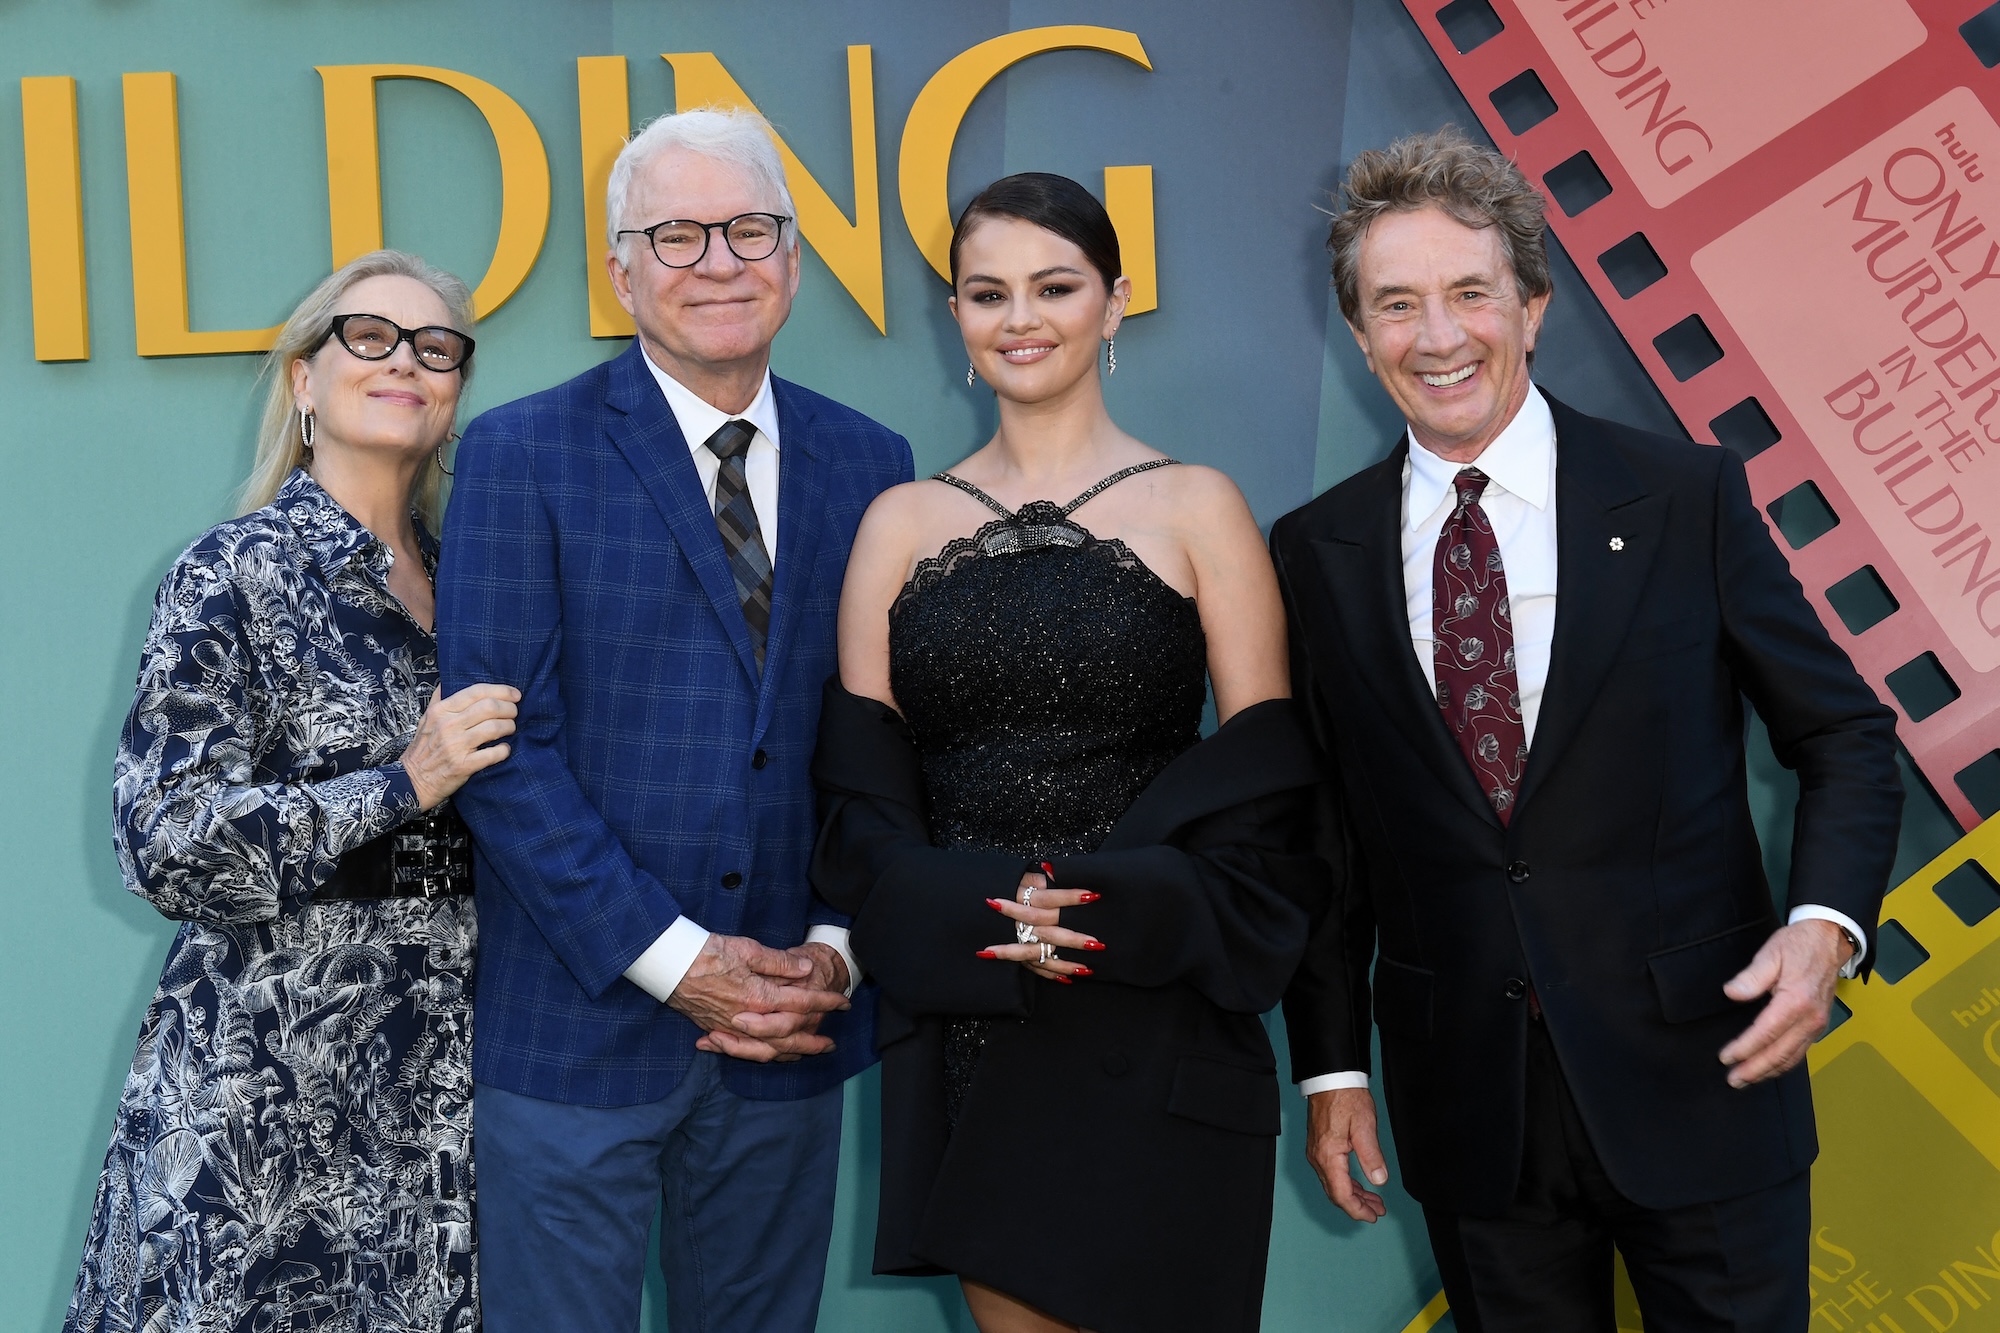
x,y
969,373
1111,356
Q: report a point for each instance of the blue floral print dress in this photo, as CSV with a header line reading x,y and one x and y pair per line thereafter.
x,y
293,1148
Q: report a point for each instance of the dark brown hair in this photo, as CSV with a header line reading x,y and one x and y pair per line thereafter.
x,y
1053,203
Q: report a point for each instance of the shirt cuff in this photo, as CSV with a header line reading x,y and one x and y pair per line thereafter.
x,y
835,938
659,970
1814,912
1352,1078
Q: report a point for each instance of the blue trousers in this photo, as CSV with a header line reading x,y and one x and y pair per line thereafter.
x,y
567,1196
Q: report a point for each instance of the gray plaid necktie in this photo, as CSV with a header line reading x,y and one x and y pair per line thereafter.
x,y
742,540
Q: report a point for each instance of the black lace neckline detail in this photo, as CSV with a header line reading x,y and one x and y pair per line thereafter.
x,y
1037,525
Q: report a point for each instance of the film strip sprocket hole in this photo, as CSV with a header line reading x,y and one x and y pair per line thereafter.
x,y
1791,209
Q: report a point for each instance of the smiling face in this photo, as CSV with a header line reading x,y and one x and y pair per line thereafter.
x,y
1032,309
716,319
1445,329
395,404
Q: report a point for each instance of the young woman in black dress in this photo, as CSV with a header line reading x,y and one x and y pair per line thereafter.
x,y
1076,908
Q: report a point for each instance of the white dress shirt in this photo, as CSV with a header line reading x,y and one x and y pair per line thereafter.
x,y
659,970
1520,503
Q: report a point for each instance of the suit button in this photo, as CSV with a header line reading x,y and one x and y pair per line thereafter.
x,y
1515,988
1517,871
759,759
732,880
1115,1064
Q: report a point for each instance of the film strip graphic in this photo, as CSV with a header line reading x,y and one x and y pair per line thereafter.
x,y
1791,209
1906,1193
1906,1196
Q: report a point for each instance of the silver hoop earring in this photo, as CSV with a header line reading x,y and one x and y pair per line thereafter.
x,y
452,439
308,427
1111,356
969,373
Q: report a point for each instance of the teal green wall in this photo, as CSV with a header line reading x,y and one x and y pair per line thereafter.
x,y
109,467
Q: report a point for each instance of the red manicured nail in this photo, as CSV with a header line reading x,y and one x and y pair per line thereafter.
x,y
987,953
1097,945
1088,897
1050,871
1081,971
1063,980
993,903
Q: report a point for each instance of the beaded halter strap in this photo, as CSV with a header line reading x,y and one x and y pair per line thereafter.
x,y
1037,525
1066,510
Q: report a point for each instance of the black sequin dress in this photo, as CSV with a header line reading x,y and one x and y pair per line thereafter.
x,y
1047,677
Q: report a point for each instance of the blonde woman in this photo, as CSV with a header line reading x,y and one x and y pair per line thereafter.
x,y
293,1146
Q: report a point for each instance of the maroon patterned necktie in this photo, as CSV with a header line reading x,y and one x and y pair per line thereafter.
x,y
1472,632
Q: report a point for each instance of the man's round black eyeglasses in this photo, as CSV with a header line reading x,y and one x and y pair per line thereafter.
x,y
375,338
680,243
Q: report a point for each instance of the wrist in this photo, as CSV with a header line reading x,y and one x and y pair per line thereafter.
x,y
427,798
1843,945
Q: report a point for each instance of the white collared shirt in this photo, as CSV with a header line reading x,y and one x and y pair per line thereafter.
x,y
1520,503
699,419
659,970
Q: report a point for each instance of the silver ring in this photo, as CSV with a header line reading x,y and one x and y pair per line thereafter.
x,y
1027,895
1025,934
1048,951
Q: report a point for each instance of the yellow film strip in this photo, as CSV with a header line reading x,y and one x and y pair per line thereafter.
x,y
1906,1192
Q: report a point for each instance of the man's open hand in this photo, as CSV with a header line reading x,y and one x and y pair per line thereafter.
x,y
758,1003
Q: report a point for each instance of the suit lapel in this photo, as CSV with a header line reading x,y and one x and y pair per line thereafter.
x,y
644,430
801,518
1608,529
1362,561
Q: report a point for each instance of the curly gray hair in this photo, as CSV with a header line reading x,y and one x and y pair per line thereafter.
x,y
1444,170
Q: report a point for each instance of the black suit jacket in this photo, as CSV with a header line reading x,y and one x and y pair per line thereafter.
x,y
1154,1074
1629,885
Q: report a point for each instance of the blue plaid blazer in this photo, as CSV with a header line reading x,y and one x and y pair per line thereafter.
x,y
582,566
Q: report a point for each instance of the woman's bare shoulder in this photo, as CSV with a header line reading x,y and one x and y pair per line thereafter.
x,y
1201,484
1202,497
901,512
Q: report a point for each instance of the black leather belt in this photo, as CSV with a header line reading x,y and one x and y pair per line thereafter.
x,y
429,857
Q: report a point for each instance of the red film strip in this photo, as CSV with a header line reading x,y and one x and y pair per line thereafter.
x,y
1791,208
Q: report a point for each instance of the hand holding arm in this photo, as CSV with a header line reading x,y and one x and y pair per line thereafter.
x,y
457,737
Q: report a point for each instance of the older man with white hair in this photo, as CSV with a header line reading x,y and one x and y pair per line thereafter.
x,y
652,553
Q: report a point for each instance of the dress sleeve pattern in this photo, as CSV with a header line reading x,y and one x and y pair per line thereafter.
x,y
263,741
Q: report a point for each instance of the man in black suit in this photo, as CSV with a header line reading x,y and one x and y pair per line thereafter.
x,y
1525,638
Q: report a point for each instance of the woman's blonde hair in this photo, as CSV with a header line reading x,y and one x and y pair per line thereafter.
x,y
280,448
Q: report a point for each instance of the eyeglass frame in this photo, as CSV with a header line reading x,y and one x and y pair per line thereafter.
x,y
335,326
707,228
